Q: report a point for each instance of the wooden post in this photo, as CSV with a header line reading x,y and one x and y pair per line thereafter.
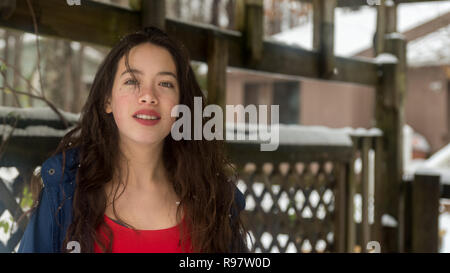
x,y
425,213
378,44
365,193
380,175
406,210
351,190
389,113
250,18
340,217
323,36
217,70
154,13
448,105
386,23
391,18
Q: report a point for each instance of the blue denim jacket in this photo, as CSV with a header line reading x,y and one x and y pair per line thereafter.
x,y
46,229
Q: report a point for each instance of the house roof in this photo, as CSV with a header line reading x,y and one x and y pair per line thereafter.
x,y
354,32
431,49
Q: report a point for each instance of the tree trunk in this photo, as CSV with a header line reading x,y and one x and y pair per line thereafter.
x,y
18,50
77,78
5,97
57,74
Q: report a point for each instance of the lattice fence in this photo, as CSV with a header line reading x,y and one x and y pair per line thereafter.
x,y
290,206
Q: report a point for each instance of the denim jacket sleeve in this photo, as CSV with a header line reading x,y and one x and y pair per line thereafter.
x,y
39,235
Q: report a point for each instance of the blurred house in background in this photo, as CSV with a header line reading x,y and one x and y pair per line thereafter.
x,y
426,27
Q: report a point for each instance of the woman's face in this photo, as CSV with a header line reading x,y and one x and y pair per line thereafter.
x,y
155,73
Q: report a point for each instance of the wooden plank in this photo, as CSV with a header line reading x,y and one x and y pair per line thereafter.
x,y
448,107
365,146
91,22
381,28
378,196
351,191
154,13
104,25
391,19
253,31
425,213
340,215
323,36
356,3
386,23
406,221
242,153
445,191
217,71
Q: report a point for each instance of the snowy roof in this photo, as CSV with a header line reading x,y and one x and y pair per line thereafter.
x,y
295,134
33,131
354,30
37,113
438,163
431,49
440,159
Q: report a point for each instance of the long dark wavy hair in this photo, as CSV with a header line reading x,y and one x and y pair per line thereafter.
x,y
200,171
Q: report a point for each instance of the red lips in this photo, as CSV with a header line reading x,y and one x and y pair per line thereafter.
x,y
147,112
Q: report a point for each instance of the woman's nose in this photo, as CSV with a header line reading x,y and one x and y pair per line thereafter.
x,y
147,95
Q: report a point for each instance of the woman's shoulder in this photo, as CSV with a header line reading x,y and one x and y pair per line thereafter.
x,y
60,167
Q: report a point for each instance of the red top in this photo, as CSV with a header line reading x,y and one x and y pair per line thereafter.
x,y
127,240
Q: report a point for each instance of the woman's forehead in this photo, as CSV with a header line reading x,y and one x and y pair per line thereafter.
x,y
147,57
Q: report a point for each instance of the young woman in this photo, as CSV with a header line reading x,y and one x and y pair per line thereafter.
x,y
118,182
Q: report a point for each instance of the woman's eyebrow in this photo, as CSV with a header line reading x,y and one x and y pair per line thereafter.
x,y
132,70
137,71
167,73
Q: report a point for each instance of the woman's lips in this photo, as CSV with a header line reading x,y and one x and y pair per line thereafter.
x,y
147,122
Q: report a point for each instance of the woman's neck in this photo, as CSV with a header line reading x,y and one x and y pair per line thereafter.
x,y
144,164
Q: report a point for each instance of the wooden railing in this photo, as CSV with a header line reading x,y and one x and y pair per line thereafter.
x,y
29,137
296,195
246,48
300,197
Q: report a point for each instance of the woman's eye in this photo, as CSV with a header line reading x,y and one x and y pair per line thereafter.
x,y
131,82
167,84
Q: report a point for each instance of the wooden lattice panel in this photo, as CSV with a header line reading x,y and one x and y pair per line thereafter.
x,y
290,206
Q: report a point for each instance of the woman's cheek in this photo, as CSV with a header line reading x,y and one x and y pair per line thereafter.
x,y
121,111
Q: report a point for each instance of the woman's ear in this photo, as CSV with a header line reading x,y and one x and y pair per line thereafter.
x,y
108,108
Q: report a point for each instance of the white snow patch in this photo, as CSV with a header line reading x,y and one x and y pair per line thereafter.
x,y
395,35
42,113
388,221
33,131
431,49
294,134
386,58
